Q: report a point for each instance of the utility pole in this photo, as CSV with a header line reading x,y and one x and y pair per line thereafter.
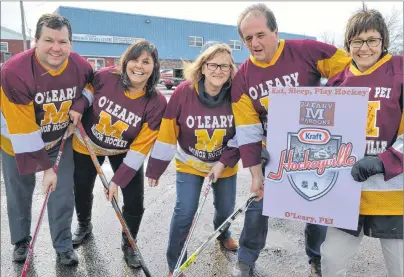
x,y
23,25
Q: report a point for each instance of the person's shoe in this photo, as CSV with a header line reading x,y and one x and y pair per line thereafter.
x,y
230,244
242,270
171,274
21,250
82,232
68,258
131,257
316,267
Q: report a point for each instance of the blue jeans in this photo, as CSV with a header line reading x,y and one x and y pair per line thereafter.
x,y
254,234
188,191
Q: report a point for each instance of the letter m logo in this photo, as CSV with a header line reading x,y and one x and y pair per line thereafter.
x,y
105,127
315,113
52,115
209,144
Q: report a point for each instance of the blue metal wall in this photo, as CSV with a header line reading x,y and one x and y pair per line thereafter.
x,y
169,35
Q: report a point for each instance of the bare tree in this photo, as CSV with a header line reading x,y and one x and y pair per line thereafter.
x,y
328,38
394,22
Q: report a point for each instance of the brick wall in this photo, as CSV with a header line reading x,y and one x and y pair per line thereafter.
x,y
14,46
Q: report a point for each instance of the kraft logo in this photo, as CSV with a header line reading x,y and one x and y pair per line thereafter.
x,y
317,113
313,136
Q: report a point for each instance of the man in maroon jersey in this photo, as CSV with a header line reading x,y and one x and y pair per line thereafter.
x,y
273,63
40,88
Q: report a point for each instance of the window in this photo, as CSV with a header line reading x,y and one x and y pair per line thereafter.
x,y
4,47
96,63
235,44
195,41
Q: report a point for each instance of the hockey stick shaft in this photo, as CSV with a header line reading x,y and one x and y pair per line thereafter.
x,y
45,202
114,202
194,221
224,226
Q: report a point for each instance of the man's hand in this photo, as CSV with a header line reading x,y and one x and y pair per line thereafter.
x,y
75,117
70,130
264,157
216,171
366,167
111,192
257,184
153,183
49,180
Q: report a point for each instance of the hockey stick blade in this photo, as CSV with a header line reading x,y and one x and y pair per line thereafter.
x,y
226,224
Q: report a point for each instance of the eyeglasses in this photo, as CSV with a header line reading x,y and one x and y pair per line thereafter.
x,y
372,42
214,66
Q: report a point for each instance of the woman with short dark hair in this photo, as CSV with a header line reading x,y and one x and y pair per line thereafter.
x,y
380,172
122,123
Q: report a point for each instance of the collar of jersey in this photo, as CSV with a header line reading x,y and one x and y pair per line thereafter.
x,y
52,72
274,58
134,96
356,71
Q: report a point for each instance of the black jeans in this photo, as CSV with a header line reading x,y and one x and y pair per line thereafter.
x,y
84,179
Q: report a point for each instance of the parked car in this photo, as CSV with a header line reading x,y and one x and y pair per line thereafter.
x,y
171,77
166,73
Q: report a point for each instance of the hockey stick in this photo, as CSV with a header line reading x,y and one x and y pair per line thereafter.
x,y
114,202
225,225
38,225
194,221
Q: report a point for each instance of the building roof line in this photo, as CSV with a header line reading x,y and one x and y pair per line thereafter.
x,y
170,18
15,32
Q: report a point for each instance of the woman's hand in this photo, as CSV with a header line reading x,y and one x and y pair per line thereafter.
x,y
216,171
112,191
153,183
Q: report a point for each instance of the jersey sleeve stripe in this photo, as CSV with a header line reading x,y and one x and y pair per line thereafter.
x,y
21,145
168,131
89,96
134,159
23,114
249,134
244,112
163,151
333,65
144,140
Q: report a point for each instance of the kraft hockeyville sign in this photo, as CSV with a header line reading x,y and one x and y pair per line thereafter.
x,y
321,134
104,39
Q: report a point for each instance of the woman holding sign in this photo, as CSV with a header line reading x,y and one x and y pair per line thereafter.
x,y
122,123
380,172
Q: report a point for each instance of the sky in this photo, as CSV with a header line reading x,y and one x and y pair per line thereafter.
x,y
308,18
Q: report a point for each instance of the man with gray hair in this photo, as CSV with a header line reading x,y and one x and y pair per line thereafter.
x,y
273,62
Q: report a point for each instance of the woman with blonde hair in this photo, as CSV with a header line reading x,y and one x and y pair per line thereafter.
x,y
199,118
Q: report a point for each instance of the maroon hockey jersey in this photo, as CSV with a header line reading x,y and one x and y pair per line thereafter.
x,y
381,195
296,63
204,136
119,122
35,106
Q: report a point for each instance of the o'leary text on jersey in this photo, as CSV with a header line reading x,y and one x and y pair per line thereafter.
x,y
289,80
121,113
